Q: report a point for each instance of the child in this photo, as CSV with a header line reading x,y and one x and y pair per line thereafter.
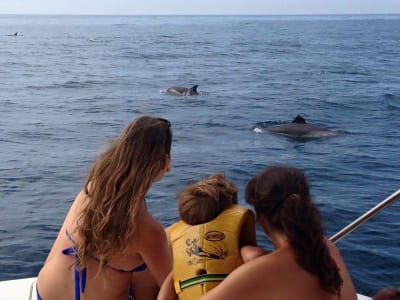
x,y
206,242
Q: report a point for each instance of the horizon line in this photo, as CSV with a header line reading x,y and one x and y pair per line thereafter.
x,y
202,14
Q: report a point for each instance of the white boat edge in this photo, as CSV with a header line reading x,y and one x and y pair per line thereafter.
x,y
25,289
18,289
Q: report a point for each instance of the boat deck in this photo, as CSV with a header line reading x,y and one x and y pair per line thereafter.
x,y
24,289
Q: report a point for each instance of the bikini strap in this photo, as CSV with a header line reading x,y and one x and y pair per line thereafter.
x,y
79,275
139,268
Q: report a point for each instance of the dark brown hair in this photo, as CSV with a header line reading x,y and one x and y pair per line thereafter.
x,y
116,186
388,293
281,195
204,200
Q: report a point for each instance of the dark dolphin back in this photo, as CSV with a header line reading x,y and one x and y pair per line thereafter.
x,y
301,130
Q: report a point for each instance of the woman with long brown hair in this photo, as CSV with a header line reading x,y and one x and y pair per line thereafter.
x,y
109,246
305,265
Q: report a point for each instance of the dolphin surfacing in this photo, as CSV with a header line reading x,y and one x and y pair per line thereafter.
x,y
299,128
183,91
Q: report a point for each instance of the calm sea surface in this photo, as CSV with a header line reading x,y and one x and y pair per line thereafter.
x,y
69,84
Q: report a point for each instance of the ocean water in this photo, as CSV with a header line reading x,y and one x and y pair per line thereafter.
x,y
69,84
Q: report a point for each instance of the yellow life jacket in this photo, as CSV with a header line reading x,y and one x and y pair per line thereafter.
x,y
204,254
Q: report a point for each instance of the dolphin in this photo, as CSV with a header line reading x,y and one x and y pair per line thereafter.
x,y
299,128
183,91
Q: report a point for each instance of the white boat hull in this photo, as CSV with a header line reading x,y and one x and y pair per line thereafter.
x,y
25,289
18,289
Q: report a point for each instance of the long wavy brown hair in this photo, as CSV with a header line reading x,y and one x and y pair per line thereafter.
x,y
116,187
281,195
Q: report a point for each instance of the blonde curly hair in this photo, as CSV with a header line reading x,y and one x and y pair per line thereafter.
x,y
116,187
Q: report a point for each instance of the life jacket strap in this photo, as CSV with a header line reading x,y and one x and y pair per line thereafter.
x,y
201,279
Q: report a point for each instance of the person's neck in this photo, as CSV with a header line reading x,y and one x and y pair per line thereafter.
x,y
278,239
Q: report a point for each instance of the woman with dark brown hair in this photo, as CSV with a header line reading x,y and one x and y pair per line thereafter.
x,y
109,246
388,293
305,265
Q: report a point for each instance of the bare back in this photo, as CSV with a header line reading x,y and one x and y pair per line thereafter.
x,y
149,245
277,276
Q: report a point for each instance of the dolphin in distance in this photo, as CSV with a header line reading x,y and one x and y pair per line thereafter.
x,y
183,91
299,128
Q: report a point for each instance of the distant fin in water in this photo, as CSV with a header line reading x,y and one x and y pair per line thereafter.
x,y
299,120
193,90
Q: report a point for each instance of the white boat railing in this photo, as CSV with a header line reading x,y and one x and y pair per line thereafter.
x,y
369,214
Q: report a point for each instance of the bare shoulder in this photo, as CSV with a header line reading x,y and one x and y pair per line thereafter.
x,y
337,257
245,282
334,251
150,233
148,224
348,289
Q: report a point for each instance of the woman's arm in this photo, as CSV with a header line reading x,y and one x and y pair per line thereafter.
x,y
167,291
152,245
154,249
242,283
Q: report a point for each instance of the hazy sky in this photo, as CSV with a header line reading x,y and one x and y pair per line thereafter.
x,y
199,7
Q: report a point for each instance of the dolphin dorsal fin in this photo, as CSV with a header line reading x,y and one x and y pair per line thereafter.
x,y
299,120
194,88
